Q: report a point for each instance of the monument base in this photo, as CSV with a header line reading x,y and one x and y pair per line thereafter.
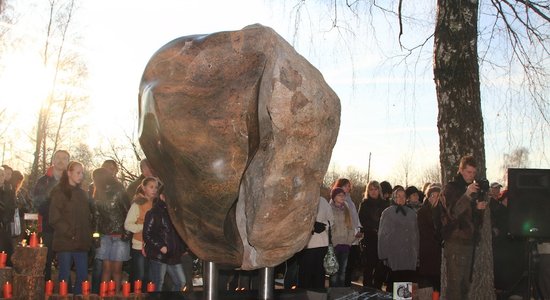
x,y
344,293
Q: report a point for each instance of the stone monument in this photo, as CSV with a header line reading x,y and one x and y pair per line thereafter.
x,y
240,128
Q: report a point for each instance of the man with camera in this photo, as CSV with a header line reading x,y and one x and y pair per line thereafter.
x,y
465,204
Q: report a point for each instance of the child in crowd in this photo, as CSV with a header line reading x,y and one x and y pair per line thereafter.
x,y
146,192
163,246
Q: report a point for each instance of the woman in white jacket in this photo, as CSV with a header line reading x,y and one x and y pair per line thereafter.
x,y
311,273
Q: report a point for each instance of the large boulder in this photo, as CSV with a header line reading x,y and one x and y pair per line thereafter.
x,y
240,128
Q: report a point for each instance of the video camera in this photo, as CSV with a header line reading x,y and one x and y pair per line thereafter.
x,y
484,186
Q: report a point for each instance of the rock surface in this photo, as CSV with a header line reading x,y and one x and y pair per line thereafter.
x,y
240,128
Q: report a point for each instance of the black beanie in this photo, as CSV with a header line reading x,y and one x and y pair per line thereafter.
x,y
411,190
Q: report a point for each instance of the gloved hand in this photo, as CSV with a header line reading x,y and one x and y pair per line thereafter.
x,y
319,227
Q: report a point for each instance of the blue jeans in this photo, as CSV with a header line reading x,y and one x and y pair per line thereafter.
x,y
140,268
158,270
65,260
338,279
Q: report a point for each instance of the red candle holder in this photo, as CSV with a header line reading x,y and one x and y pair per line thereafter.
x,y
137,286
150,287
85,288
103,289
125,289
49,288
7,290
111,288
63,288
3,259
33,240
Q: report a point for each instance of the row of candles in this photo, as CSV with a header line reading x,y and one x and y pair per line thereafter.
x,y
105,288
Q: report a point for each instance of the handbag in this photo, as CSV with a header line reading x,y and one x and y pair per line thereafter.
x,y
15,225
330,263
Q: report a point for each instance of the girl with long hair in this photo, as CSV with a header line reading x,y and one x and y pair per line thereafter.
x,y
146,192
354,257
71,218
374,271
343,234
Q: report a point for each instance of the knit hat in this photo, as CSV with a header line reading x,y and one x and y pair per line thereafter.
x,y
411,190
336,191
434,187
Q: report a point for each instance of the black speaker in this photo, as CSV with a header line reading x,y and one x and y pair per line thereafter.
x,y
529,203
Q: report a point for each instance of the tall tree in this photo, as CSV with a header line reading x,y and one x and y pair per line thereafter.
x,y
456,75
57,113
460,120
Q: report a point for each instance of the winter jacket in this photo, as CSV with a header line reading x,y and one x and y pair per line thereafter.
x,y
429,226
134,221
398,238
7,207
324,215
40,198
458,221
71,218
369,216
158,231
112,210
341,233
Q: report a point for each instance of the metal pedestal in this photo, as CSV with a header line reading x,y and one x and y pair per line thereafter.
x,y
210,281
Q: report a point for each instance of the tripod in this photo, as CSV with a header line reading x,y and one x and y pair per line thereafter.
x,y
532,291
526,284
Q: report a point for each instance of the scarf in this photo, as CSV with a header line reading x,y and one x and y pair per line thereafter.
x,y
400,208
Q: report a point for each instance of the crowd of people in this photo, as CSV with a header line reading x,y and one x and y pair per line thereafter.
x,y
105,227
404,234
396,234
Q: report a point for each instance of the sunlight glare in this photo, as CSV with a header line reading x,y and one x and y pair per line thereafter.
x,y
25,82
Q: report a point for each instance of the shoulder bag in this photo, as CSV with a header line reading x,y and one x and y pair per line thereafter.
x,y
330,263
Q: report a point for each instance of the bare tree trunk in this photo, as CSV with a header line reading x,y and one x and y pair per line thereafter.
x,y
37,151
460,121
456,74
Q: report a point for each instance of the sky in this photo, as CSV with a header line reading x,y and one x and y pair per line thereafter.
x,y
386,113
